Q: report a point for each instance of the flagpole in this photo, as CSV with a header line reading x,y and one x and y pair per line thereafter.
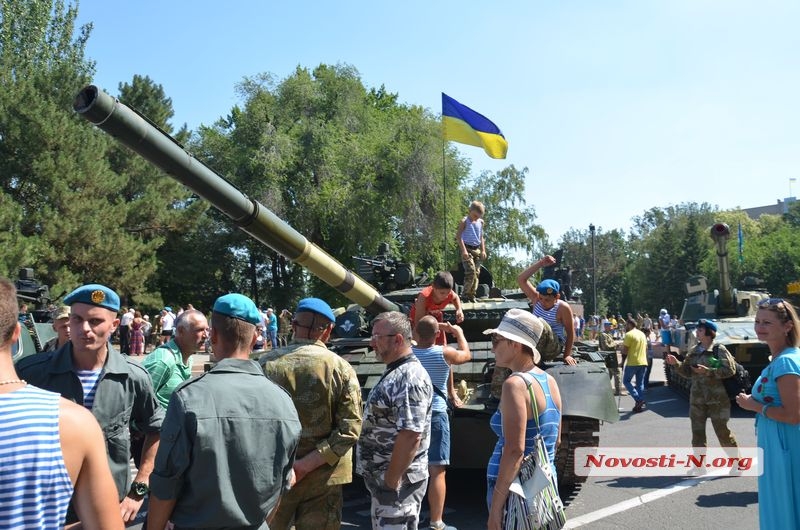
x,y
444,208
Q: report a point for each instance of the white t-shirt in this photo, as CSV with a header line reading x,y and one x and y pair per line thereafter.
x,y
167,321
126,319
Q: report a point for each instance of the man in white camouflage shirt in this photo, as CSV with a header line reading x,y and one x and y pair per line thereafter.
x,y
395,434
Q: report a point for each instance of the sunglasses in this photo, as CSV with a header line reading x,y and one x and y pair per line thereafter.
x,y
497,338
771,302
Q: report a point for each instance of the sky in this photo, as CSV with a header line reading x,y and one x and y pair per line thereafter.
x,y
614,107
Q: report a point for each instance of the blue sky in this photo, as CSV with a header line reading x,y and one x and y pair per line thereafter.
x,y
614,107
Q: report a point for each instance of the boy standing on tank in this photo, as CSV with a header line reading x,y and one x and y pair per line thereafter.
x,y
472,245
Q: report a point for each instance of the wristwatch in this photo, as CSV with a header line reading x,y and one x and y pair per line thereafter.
x,y
140,489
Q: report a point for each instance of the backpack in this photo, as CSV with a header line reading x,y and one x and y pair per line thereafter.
x,y
737,383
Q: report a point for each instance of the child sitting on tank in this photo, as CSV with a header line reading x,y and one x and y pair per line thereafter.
x,y
433,299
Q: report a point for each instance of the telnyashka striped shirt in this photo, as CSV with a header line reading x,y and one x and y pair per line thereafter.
x,y
88,380
35,487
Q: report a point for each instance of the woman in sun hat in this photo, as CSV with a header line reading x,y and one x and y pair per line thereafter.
x,y
514,346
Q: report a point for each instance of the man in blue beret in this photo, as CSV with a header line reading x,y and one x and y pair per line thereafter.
x,y
89,371
230,435
548,305
326,393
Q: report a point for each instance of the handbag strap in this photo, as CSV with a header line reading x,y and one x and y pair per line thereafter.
x,y
534,406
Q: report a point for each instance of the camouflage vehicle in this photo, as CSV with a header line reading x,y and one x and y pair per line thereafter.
x,y
37,322
585,389
732,310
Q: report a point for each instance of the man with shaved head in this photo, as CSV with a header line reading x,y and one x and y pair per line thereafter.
x,y
437,361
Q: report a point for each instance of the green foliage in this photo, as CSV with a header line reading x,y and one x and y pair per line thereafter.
x,y
346,167
510,227
77,207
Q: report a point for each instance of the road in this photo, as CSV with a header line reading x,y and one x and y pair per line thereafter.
x,y
618,502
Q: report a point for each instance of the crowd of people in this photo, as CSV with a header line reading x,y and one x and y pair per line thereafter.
x,y
297,414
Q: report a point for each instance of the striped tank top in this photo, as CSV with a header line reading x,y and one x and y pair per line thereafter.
x,y
549,420
35,487
549,316
432,360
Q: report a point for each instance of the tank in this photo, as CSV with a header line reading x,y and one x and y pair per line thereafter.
x,y
587,398
732,310
585,389
37,321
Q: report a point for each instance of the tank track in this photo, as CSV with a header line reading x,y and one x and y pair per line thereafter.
x,y
575,432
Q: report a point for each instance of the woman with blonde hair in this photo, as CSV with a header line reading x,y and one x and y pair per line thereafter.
x,y
514,346
776,400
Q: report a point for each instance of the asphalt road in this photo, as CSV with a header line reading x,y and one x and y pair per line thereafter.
x,y
618,502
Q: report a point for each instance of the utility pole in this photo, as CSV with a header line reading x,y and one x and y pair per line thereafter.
x,y
594,273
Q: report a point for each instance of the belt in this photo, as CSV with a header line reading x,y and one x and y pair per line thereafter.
x,y
472,247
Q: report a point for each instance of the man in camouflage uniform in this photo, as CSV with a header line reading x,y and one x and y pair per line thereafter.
x,y
325,391
607,342
393,448
708,364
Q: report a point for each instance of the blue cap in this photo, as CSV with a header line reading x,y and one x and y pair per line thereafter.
x,y
168,309
315,305
707,324
238,306
548,287
94,294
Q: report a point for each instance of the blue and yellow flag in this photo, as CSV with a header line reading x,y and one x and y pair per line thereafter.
x,y
464,125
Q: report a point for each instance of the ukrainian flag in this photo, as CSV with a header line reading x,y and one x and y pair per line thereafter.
x,y
464,125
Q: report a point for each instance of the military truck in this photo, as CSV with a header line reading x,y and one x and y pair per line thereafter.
x,y
585,389
732,310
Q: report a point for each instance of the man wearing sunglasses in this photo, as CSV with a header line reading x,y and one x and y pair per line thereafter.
x,y
548,306
392,452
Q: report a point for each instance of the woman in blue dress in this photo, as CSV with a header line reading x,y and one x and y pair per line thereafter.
x,y
514,346
776,400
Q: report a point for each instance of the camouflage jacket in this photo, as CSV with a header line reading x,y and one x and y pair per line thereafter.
x,y
708,388
607,342
401,401
327,396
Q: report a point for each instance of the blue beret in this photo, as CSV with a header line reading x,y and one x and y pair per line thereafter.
x,y
315,305
94,294
707,324
238,306
548,287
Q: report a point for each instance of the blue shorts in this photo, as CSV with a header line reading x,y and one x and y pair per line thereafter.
x,y
666,337
439,450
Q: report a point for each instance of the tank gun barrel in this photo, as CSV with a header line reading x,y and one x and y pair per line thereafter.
x,y
720,233
143,137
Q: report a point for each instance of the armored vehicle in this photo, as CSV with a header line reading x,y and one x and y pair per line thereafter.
x,y
732,310
37,322
586,392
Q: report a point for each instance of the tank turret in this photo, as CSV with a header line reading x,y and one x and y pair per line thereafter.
x,y
732,310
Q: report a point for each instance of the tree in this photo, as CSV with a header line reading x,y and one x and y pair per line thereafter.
x,y
349,168
510,225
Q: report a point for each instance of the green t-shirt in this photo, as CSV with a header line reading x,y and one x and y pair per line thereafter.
x,y
166,369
